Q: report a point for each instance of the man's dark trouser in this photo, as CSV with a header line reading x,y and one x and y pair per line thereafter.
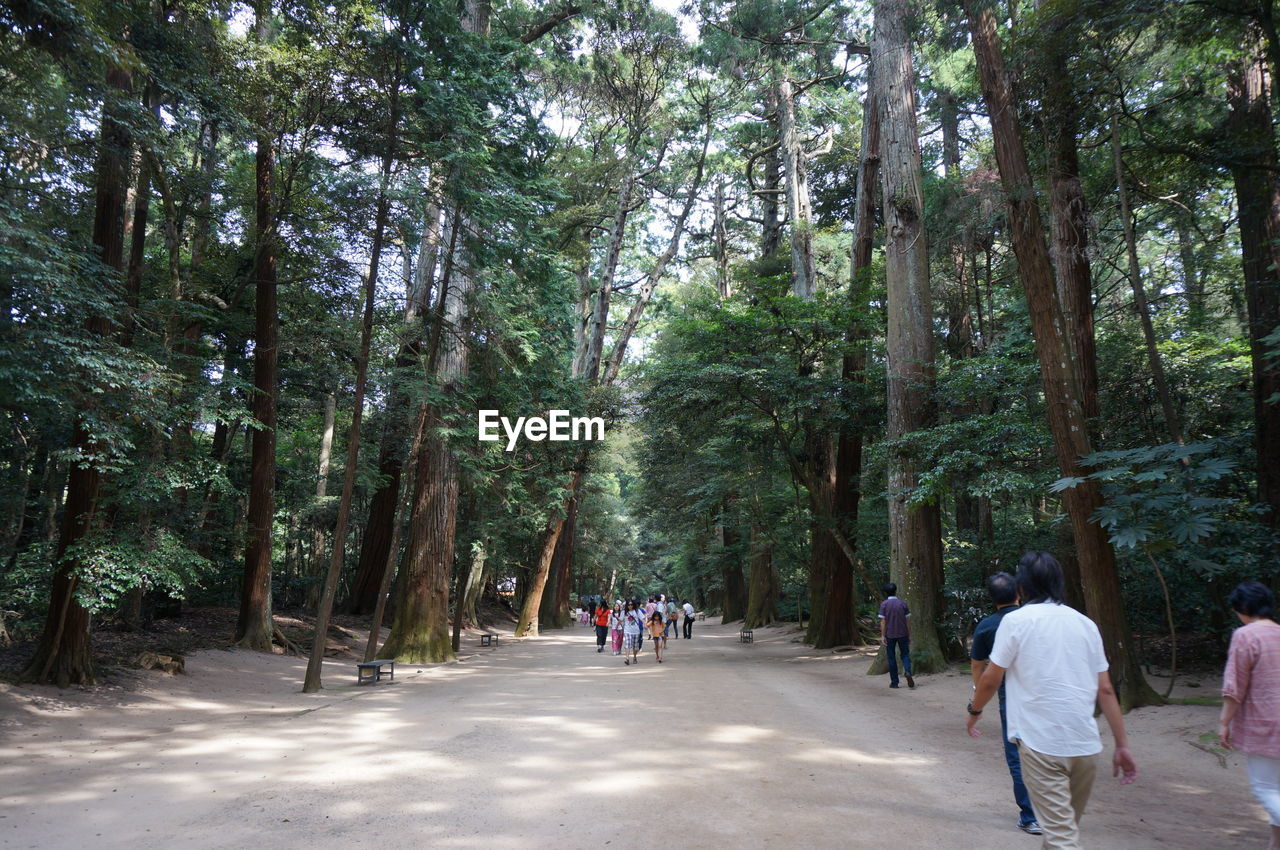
x,y
688,628
602,633
905,644
1026,813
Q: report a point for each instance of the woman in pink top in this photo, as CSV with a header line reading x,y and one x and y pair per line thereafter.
x,y
1250,719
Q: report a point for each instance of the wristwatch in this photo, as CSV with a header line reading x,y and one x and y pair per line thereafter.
x,y
971,711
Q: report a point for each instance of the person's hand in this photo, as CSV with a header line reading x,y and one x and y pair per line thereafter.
x,y
971,726
1224,736
1123,765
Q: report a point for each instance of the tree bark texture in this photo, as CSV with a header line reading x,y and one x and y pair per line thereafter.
x,y
1258,198
915,532
734,601
553,613
1069,229
762,589
830,570
527,624
804,275
1065,413
420,629
376,543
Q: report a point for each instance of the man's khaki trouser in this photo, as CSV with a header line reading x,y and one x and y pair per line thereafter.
x,y
1059,787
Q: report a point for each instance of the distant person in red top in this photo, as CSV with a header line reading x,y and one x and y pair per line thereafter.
x,y
895,633
602,626
1250,720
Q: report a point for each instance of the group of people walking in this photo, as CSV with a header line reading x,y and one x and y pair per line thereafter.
x,y
627,624
1044,663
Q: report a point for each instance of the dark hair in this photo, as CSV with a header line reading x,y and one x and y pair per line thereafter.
x,y
1003,588
1253,599
890,589
1040,578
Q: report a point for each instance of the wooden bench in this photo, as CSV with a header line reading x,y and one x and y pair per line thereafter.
x,y
371,672
745,636
701,616
488,639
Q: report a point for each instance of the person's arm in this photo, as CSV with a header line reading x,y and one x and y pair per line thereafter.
x,y
1122,763
1235,685
987,685
975,670
1229,709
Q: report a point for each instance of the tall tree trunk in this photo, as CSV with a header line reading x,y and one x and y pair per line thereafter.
x,y
254,628
720,239
762,591
420,629
659,267
326,444
830,570
375,545
64,655
1192,282
1258,199
1065,413
600,310
527,624
1171,421
1069,229
554,610
804,275
771,229
915,532
474,584
854,363
734,602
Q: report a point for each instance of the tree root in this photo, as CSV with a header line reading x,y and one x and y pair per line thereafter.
x,y
290,647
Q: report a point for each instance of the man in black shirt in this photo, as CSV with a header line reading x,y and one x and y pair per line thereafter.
x,y
1004,593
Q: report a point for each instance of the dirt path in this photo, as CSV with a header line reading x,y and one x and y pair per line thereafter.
x,y
547,743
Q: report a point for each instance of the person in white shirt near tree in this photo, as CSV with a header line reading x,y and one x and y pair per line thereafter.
x,y
1051,660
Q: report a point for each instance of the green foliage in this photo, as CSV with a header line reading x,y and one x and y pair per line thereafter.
x,y
110,564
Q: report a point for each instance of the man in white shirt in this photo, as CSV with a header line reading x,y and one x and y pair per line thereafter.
x,y
1051,659
688,620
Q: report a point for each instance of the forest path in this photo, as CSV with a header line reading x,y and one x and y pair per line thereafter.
x,y
545,743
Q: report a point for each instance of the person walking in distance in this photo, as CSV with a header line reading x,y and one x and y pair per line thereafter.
x,y
1004,593
688,620
602,626
632,631
1250,719
895,634
657,629
1050,657
615,626
673,621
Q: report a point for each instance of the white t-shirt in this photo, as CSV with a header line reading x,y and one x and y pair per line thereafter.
x,y
688,610
631,622
1053,655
